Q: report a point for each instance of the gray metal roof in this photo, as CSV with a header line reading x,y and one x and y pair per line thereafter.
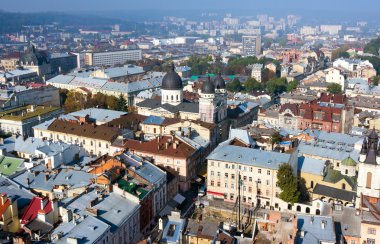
x,y
86,230
115,210
14,191
249,156
313,231
311,165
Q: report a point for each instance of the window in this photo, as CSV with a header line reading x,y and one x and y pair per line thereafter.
x,y
244,188
337,164
212,163
218,184
369,180
346,171
258,181
259,171
226,166
233,166
226,175
212,183
249,188
218,174
371,231
233,176
267,192
344,186
244,178
268,182
232,186
232,197
370,241
311,184
268,172
250,179
212,173
277,194
225,185
100,144
353,242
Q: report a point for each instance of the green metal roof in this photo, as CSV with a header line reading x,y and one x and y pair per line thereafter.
x,y
9,166
132,188
349,162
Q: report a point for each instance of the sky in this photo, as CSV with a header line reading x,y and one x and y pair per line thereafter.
x,y
111,5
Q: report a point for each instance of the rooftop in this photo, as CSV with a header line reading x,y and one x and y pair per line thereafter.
x,y
27,112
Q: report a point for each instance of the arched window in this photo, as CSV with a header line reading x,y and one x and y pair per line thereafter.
x,y
344,186
167,97
369,180
346,171
172,97
307,210
311,184
298,208
177,98
318,212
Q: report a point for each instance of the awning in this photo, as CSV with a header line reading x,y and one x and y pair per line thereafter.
x,y
215,193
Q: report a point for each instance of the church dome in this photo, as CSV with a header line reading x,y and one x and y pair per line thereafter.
x,y
208,87
172,81
32,56
373,135
219,82
348,162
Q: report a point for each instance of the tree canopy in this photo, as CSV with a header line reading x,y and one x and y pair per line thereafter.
x,y
334,88
235,85
373,46
293,188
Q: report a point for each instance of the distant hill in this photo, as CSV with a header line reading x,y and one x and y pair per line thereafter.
x,y
373,46
13,22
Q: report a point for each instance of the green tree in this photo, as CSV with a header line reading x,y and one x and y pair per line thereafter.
x,y
375,80
292,85
373,46
275,139
288,184
121,104
235,85
276,86
252,85
334,88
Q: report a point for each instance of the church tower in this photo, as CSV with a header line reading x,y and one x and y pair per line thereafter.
x,y
369,169
172,88
213,100
207,112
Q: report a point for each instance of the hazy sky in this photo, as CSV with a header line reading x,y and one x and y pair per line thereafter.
x,y
110,5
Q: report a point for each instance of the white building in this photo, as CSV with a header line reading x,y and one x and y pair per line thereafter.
x,y
112,58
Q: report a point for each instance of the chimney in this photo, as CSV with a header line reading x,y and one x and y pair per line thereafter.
x,y
323,224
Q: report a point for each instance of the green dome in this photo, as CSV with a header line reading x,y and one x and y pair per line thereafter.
x,y
349,162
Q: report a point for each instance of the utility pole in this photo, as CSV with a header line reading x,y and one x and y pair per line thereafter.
x,y
239,182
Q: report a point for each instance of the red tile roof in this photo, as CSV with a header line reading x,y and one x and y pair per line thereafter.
x,y
37,205
332,98
291,106
158,147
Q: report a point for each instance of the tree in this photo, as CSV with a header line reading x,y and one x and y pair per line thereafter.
x,y
276,86
235,85
288,184
373,46
375,80
75,101
121,104
251,85
275,139
334,88
292,85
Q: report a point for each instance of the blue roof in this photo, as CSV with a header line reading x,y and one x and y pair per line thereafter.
x,y
311,165
249,156
154,120
313,231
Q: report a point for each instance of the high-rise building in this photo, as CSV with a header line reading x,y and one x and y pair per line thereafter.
x,y
112,58
251,45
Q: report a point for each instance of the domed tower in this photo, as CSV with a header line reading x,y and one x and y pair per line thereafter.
x,y
171,89
220,97
207,110
369,168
